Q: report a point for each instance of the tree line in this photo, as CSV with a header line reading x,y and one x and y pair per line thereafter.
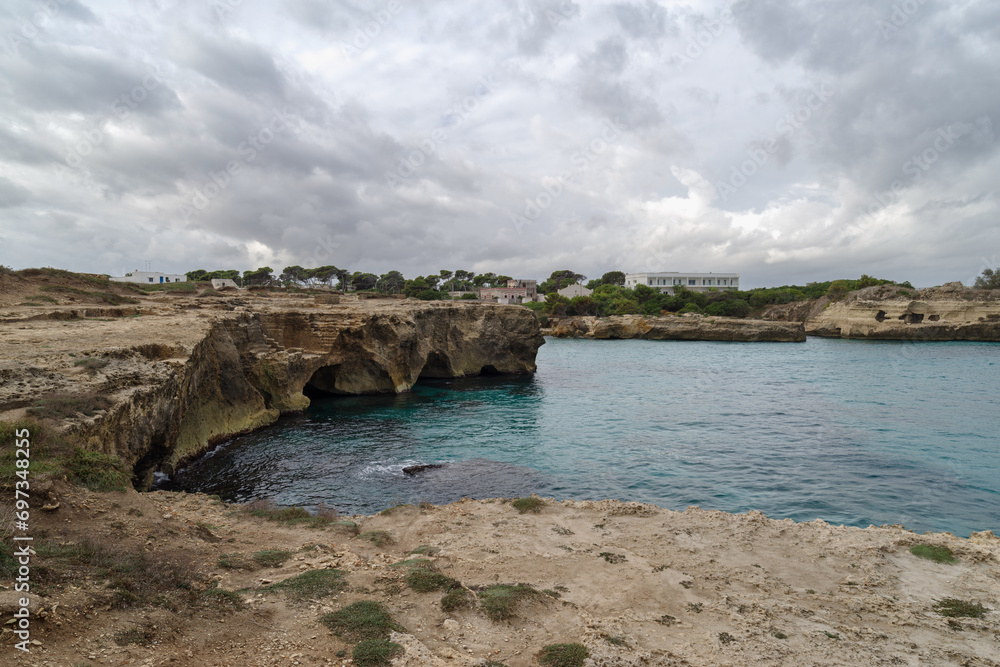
x,y
611,297
432,286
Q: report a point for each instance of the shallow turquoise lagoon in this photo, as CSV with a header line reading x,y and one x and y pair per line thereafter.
x,y
852,432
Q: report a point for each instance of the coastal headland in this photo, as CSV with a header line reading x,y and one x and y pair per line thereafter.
x,y
154,578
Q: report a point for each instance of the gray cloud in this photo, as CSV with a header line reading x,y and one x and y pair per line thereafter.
x,y
397,156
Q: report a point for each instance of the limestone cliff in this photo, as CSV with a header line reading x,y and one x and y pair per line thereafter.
x,y
950,312
675,328
186,373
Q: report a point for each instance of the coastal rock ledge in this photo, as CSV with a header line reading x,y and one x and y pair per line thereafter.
x,y
695,327
184,374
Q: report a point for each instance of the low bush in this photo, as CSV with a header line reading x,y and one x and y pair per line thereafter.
x,y
936,554
955,608
530,504
97,471
311,585
500,601
362,620
563,655
375,653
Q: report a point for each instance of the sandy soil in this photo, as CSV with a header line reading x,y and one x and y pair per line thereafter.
x,y
637,585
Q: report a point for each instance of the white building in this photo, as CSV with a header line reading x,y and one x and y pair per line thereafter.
x,y
149,278
574,290
516,292
221,283
695,282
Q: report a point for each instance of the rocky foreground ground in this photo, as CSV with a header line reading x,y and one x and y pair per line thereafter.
x,y
634,584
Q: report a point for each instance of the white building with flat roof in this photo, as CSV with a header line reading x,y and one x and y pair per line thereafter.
x,y
667,281
149,278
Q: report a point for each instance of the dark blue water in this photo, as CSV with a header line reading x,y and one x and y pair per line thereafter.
x,y
852,432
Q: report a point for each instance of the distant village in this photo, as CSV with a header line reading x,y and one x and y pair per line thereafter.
x,y
446,285
564,292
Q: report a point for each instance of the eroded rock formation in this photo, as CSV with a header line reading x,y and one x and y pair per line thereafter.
x,y
188,373
675,328
950,312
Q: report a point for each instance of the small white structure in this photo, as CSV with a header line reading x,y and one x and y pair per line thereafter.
x,y
221,283
149,278
696,282
574,290
516,292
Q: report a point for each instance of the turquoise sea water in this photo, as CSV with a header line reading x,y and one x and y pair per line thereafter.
x,y
852,432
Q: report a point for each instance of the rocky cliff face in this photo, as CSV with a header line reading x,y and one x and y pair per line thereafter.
x,y
187,374
675,328
950,312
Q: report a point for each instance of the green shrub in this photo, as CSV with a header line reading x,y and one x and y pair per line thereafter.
x,y
362,620
423,580
936,554
312,584
97,471
271,557
456,598
955,608
375,653
563,655
531,504
263,508
499,602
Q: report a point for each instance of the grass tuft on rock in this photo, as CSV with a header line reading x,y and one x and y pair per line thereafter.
x,y
312,584
271,557
456,598
499,602
292,516
563,655
379,538
375,653
423,580
97,471
362,620
936,554
531,504
955,608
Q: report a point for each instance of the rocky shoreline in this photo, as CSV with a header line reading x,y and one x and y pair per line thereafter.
x,y
175,375
687,327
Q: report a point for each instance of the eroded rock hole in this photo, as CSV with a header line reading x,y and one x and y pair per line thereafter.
x,y
142,471
436,367
880,316
934,318
323,382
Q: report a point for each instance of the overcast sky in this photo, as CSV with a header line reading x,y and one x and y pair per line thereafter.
x,y
788,140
